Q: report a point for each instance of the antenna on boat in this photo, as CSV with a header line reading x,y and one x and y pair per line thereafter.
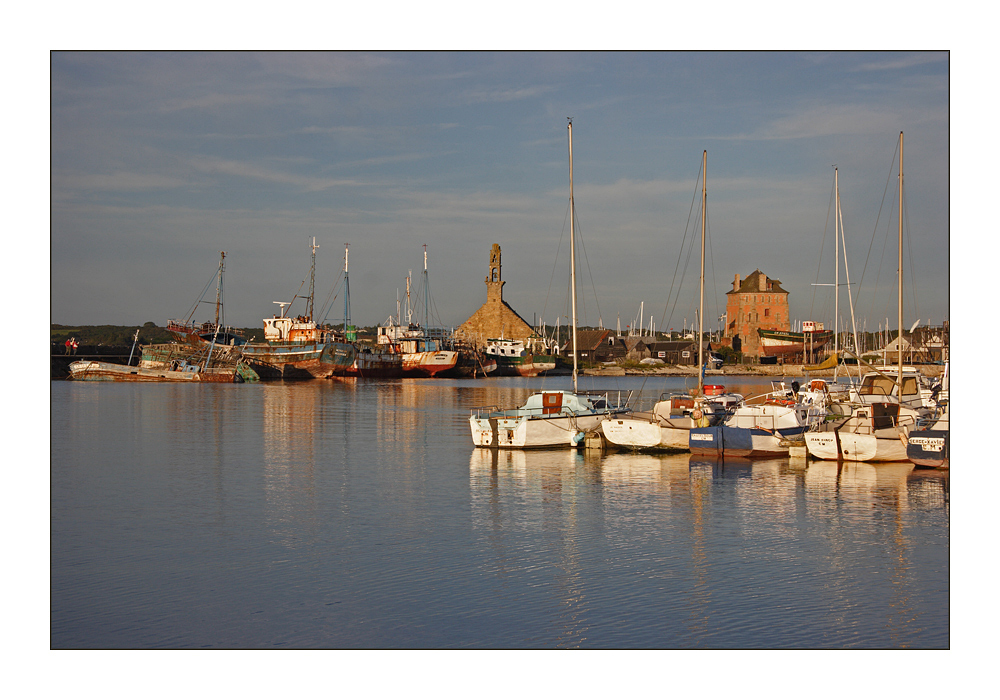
x,y
218,288
312,279
282,304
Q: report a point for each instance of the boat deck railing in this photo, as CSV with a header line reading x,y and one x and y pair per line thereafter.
x,y
600,400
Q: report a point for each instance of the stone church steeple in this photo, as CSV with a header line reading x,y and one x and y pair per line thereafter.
x,y
495,318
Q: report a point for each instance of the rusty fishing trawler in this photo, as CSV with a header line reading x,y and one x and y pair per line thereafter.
x,y
296,347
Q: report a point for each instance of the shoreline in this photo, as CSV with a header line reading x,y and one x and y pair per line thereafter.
x,y
789,370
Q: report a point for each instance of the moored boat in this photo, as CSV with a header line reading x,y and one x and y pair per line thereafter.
x,y
373,363
193,333
180,371
514,359
765,429
667,426
422,356
929,446
774,343
872,432
549,418
546,419
296,348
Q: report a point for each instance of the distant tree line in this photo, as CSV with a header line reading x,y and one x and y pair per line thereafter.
x,y
149,333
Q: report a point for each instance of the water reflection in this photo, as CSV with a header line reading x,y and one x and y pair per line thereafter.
x,y
288,423
713,531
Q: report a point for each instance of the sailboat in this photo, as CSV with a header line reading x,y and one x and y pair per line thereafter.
x,y
297,348
667,426
880,417
549,418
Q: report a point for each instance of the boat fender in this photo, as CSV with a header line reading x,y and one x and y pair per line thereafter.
x,y
578,438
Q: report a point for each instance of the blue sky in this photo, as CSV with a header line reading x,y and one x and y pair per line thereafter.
x,y
161,160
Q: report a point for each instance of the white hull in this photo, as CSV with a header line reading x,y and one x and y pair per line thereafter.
x,y
533,431
429,363
646,433
856,447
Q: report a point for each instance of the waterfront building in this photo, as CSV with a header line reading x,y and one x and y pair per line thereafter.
x,y
755,302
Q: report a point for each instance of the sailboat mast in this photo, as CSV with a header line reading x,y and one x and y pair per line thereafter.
x,y
218,288
572,248
836,274
701,291
899,343
427,293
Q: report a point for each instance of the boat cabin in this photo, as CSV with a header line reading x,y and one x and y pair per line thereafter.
x,y
505,348
286,329
881,387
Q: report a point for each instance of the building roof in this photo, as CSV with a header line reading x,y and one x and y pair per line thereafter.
x,y
751,284
589,339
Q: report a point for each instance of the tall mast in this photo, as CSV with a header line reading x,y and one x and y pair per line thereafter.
x,y
427,293
836,273
899,343
312,279
218,288
701,293
850,293
347,290
572,248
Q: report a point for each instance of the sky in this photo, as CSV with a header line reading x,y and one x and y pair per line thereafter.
x,y
160,160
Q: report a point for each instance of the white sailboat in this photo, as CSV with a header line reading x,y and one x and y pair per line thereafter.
x,y
882,410
548,418
667,425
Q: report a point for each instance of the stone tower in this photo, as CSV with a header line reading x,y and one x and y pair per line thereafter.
x,y
495,318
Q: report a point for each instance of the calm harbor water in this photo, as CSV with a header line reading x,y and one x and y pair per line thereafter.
x,y
359,515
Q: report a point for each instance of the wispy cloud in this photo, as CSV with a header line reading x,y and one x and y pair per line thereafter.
x,y
904,62
508,95
119,182
237,168
827,120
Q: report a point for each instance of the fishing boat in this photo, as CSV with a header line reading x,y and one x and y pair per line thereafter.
x,y
296,347
372,363
180,370
766,425
549,418
667,426
811,339
193,333
514,359
422,355
93,371
471,362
